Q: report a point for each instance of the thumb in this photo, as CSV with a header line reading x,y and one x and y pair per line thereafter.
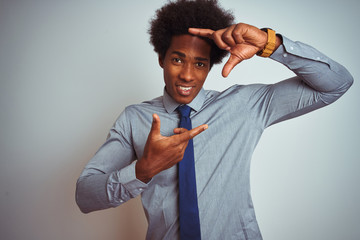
x,y
155,127
230,64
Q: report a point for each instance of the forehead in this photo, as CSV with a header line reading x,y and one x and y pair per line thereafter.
x,y
190,45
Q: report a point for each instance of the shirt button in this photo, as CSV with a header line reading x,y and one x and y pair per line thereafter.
x,y
140,189
285,55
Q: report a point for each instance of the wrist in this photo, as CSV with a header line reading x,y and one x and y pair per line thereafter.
x,y
141,172
272,43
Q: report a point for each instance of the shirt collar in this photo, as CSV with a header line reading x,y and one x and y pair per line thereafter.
x,y
196,104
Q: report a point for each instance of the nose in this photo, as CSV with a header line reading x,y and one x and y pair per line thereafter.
x,y
187,73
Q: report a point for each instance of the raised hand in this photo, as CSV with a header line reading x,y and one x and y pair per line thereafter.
x,y
160,152
243,41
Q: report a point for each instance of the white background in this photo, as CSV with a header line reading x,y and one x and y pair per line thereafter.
x,y
68,69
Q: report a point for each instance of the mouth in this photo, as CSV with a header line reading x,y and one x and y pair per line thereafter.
x,y
184,91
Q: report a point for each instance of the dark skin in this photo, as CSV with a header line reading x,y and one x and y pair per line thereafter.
x,y
243,41
185,68
162,152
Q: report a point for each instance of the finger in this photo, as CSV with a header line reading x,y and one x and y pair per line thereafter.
x,y
227,36
202,32
189,134
155,127
196,131
230,64
180,130
219,41
238,32
211,34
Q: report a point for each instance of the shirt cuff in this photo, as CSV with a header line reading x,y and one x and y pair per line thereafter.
x,y
123,185
128,178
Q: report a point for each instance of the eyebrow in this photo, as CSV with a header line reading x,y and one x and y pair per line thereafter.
x,y
196,58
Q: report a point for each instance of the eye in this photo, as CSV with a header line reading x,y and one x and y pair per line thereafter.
x,y
177,60
200,64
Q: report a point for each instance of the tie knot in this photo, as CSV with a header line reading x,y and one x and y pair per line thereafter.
x,y
184,110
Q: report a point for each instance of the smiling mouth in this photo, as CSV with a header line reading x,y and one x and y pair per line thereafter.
x,y
185,91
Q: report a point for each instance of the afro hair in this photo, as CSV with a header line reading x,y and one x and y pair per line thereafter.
x,y
175,18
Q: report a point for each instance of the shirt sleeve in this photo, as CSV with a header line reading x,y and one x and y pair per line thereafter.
x,y
319,81
109,179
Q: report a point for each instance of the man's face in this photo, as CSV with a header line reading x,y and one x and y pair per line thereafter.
x,y
186,65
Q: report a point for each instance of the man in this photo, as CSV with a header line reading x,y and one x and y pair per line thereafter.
x,y
146,146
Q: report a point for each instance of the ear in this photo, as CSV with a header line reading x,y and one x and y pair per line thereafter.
x,y
161,61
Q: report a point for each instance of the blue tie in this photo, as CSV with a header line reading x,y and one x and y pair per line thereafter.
x,y
188,206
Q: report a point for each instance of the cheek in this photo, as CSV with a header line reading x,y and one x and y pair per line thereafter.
x,y
202,76
168,79
170,73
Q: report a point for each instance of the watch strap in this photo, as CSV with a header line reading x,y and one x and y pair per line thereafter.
x,y
270,45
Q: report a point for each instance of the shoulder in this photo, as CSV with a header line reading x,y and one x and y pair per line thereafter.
x,y
135,112
236,91
153,105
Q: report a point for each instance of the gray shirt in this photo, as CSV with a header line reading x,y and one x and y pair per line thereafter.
x,y
237,118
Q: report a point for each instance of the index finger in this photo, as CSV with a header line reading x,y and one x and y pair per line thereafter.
x,y
187,135
202,32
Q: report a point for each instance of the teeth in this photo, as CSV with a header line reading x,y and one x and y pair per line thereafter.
x,y
185,88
